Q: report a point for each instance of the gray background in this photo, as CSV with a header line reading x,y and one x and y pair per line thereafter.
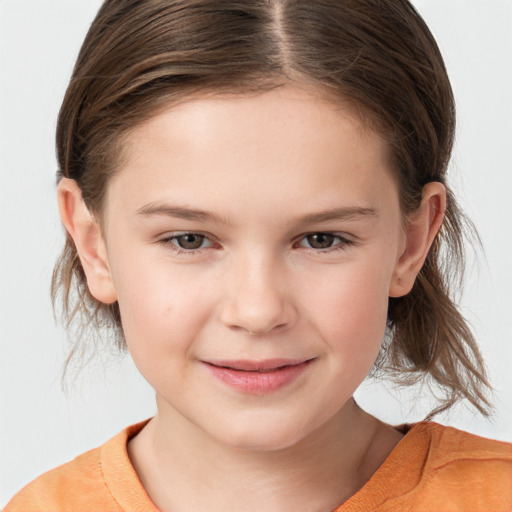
x,y
40,426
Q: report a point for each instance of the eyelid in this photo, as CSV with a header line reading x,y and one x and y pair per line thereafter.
x,y
167,240
345,241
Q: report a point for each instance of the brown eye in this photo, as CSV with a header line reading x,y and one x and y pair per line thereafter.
x,y
321,240
189,241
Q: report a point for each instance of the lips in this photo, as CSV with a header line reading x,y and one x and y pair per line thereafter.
x,y
258,377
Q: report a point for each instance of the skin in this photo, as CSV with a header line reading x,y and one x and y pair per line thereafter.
x,y
261,286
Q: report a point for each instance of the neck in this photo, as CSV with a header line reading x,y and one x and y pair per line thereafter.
x,y
315,475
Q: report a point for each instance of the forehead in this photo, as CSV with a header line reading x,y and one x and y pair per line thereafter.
x,y
287,141
286,114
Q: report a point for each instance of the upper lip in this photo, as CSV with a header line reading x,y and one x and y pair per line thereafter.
x,y
256,365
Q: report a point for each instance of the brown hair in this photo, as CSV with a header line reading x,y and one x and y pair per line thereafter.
x,y
376,55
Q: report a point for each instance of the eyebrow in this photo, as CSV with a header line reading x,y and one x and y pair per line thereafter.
x,y
336,214
345,213
180,213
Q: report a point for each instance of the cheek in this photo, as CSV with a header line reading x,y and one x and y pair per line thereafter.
x,y
161,312
351,311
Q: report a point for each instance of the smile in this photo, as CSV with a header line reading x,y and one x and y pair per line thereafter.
x,y
258,377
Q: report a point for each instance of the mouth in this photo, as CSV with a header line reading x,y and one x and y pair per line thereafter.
x,y
258,377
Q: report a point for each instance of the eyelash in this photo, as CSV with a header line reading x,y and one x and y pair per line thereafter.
x,y
169,242
342,244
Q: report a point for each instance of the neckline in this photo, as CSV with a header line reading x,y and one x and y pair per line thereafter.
x,y
120,476
395,476
127,490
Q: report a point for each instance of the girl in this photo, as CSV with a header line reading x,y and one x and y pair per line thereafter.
x,y
255,198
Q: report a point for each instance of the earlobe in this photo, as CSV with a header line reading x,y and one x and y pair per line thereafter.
x,y
86,234
421,229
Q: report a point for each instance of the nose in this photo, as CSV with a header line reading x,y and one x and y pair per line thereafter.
x,y
258,297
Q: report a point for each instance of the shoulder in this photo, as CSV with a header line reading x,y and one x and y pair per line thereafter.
x,y
100,479
449,446
65,487
463,471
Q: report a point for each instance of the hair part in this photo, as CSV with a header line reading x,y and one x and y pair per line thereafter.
x,y
378,57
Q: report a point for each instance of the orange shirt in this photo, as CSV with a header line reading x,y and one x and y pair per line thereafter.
x,y
433,469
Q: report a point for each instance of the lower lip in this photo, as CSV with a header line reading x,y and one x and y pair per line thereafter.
x,y
258,383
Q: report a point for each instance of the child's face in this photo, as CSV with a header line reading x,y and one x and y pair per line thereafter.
x,y
294,237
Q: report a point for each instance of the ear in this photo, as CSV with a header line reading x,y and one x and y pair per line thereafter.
x,y
421,229
86,234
